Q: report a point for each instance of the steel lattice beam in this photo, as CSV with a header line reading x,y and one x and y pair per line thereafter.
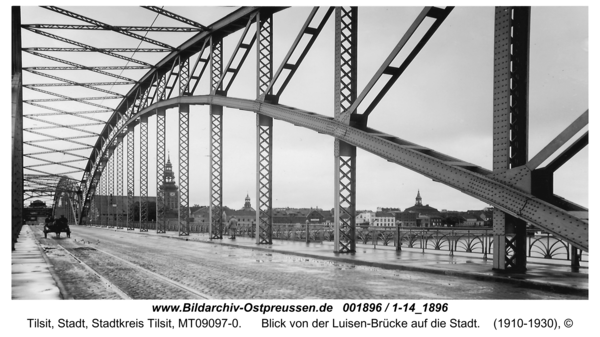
x,y
80,67
103,198
216,144
120,182
106,26
65,151
53,138
62,112
264,133
160,169
112,50
184,150
76,66
130,178
67,98
73,83
175,16
346,46
83,45
109,190
121,28
144,174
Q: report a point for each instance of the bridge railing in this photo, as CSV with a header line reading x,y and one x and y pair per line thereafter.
x,y
469,241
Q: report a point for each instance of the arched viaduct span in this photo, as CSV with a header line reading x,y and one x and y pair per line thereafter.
x,y
510,186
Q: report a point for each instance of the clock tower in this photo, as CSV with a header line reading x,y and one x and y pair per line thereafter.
x,y
168,189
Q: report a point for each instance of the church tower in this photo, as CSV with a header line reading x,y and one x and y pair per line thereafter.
x,y
248,205
169,190
418,201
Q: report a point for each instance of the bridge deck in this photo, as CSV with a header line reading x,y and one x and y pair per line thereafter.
x,y
545,277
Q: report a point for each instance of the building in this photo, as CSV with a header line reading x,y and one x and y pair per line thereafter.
x,y
113,207
301,216
245,216
168,190
36,213
365,217
426,216
384,219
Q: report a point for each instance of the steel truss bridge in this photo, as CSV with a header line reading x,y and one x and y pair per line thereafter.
x,y
517,186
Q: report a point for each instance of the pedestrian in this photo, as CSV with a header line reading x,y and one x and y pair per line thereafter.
x,y
232,227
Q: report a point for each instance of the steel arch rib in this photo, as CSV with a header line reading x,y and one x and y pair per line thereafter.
x,y
475,181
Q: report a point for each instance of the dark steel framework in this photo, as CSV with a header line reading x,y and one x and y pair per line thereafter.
x,y
511,94
130,178
509,187
264,133
216,143
346,59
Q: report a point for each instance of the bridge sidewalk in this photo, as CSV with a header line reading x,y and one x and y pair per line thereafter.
x,y
32,275
553,277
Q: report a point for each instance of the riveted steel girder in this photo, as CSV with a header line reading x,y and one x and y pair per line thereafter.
x,y
76,66
264,133
120,202
121,28
106,26
471,179
161,129
184,150
174,16
130,177
144,174
510,141
346,59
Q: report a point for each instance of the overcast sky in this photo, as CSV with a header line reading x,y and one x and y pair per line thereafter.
x,y
443,101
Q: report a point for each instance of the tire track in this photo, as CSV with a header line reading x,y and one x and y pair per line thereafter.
x,y
162,279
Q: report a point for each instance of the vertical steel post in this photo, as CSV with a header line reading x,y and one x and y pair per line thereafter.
x,y
120,203
144,173
110,187
130,177
184,149
216,143
264,131
160,170
103,195
511,94
17,126
346,56
161,132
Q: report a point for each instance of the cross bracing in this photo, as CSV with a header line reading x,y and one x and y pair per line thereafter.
x,y
160,88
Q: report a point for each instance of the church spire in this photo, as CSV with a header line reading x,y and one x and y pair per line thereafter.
x,y
418,201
